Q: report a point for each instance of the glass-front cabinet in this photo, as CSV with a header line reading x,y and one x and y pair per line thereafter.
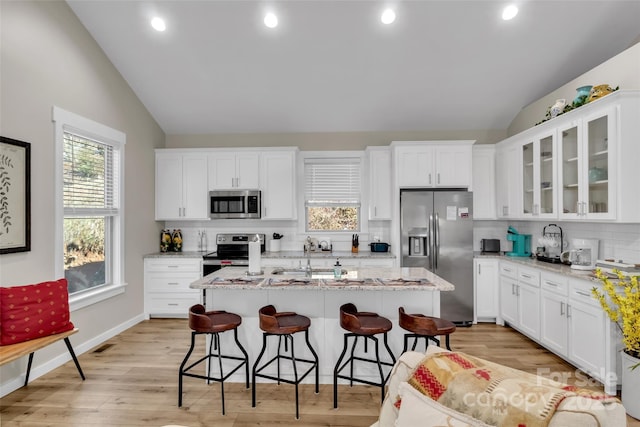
x,y
585,166
538,176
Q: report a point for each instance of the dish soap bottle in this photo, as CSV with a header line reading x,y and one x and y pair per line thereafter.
x,y
337,269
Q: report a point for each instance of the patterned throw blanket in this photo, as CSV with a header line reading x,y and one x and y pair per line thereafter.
x,y
493,393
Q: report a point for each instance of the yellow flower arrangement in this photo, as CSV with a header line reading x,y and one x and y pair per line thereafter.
x,y
620,300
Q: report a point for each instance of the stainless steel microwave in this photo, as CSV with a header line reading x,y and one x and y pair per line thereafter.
x,y
229,204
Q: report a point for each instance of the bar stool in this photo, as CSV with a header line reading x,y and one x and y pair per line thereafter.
x,y
283,325
367,325
212,323
425,327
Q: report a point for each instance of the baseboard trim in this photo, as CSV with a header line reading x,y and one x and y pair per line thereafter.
x,y
37,371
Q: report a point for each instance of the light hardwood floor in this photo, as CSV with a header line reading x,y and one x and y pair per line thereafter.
x,y
132,381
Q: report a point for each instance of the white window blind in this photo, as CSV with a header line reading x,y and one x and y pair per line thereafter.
x,y
332,182
90,175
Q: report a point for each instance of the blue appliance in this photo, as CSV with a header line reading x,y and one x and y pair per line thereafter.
x,y
521,243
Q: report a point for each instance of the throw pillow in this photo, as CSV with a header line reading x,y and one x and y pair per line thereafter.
x,y
34,311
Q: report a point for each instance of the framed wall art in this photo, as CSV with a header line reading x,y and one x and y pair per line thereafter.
x,y
15,196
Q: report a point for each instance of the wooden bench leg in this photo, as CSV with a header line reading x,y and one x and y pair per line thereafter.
x,y
73,355
26,380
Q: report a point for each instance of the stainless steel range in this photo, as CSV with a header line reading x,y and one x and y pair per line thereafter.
x,y
231,249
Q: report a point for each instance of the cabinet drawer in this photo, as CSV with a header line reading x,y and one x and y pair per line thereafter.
x,y
554,283
580,290
529,276
167,305
173,264
170,282
508,270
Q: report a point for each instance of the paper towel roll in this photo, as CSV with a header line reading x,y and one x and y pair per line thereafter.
x,y
254,257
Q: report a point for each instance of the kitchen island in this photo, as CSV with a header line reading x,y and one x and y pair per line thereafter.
x,y
319,297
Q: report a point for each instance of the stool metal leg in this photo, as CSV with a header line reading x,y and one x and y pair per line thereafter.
x,y
335,372
255,365
246,357
184,362
315,356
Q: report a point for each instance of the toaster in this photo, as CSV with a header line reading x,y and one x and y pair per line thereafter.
x,y
490,245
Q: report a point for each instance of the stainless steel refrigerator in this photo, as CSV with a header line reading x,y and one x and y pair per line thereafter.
x,y
436,229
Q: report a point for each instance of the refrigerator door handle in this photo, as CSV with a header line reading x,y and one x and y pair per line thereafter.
x,y
430,243
436,244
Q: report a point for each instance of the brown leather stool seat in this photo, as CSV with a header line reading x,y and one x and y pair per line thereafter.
x,y
426,327
367,325
284,325
212,323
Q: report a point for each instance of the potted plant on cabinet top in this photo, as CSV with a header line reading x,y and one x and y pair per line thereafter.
x,y
620,300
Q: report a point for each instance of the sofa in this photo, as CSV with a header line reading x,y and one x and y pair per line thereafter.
x,y
442,388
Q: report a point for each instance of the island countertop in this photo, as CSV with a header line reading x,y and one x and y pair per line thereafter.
x,y
366,278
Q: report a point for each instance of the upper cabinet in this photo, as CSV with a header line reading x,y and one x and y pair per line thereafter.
x,y
586,164
508,200
278,184
581,165
422,164
538,162
483,180
181,185
234,170
379,183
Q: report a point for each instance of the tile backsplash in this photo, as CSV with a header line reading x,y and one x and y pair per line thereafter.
x,y
617,241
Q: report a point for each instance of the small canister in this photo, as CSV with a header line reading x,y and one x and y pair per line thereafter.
x,y
165,240
176,240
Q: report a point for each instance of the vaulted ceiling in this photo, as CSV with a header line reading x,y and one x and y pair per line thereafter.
x,y
332,66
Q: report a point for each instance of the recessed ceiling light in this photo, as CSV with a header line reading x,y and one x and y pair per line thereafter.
x,y
271,20
388,16
509,12
158,24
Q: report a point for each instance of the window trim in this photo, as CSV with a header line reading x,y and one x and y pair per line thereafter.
x,y
364,200
65,121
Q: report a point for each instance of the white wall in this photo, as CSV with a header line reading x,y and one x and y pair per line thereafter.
x,y
48,58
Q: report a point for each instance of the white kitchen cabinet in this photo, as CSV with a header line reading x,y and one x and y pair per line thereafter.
x,y
181,189
571,322
529,302
423,164
484,181
507,181
486,289
520,298
278,184
538,176
230,170
379,183
166,286
554,304
595,155
587,323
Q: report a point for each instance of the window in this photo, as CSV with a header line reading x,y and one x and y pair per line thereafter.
x,y
332,194
89,218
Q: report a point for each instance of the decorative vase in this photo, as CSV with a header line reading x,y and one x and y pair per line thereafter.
x,y
165,240
599,91
582,93
176,240
630,385
558,107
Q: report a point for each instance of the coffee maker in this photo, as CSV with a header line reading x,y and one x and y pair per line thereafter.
x,y
521,243
583,254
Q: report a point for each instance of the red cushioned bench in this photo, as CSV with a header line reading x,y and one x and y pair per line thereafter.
x,y
32,317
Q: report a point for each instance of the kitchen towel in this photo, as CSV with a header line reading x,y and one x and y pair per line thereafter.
x,y
254,257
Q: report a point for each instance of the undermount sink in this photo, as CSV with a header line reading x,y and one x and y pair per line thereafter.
x,y
315,272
